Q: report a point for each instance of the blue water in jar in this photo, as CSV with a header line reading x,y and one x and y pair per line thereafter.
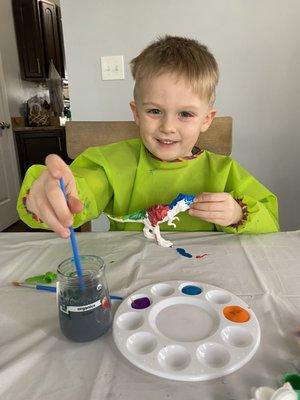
x,y
84,315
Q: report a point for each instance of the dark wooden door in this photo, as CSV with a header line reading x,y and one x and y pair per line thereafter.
x,y
50,21
29,39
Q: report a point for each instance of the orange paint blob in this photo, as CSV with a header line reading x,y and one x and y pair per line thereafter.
x,y
236,314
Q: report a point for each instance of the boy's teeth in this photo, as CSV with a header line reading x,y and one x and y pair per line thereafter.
x,y
166,141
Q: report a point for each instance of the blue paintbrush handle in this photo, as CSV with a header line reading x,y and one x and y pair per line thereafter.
x,y
43,287
113,297
74,243
53,289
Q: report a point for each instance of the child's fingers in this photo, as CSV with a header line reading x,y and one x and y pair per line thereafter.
x,y
57,202
218,208
48,216
210,216
75,205
209,206
40,206
214,197
59,169
47,201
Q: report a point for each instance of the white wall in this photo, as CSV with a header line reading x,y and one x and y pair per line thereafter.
x,y
18,91
257,45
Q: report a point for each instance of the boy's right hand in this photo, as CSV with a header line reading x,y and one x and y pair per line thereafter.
x,y
47,201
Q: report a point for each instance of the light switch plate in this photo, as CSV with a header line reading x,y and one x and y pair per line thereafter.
x,y
112,67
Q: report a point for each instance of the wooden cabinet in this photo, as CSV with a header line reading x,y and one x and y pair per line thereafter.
x,y
34,144
52,35
39,38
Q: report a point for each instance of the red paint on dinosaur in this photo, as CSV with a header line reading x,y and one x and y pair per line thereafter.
x,y
157,213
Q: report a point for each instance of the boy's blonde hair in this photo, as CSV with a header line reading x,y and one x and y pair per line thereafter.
x,y
182,56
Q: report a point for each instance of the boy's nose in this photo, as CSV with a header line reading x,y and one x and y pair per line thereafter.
x,y
168,125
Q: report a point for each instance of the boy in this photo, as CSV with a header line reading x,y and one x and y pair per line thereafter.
x,y
174,93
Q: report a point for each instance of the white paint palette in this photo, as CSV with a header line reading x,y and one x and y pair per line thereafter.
x,y
187,331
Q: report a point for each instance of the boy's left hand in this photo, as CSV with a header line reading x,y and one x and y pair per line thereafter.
x,y
217,208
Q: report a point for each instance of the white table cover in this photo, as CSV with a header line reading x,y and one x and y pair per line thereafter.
x,y
38,362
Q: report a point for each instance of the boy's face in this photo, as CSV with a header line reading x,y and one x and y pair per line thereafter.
x,y
170,116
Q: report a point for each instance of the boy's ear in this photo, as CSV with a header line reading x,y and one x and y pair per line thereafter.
x,y
135,113
208,119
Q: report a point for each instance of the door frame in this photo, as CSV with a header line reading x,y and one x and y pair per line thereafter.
x,y
14,176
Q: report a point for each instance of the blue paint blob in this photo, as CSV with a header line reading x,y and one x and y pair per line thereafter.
x,y
183,252
191,290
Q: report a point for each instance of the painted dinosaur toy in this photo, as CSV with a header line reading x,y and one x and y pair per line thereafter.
x,y
155,215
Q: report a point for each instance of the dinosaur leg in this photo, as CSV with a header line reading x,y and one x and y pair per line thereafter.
x,y
148,234
148,230
162,242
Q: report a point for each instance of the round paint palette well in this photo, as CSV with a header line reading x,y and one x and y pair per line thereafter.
x,y
186,331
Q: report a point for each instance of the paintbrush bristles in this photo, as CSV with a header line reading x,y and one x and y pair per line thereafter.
x,y
15,283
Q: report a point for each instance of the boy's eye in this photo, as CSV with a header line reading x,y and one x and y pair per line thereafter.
x,y
185,114
154,111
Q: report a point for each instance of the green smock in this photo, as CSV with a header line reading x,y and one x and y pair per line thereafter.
x,y
123,177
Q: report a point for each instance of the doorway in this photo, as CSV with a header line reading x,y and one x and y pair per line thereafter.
x,y
9,175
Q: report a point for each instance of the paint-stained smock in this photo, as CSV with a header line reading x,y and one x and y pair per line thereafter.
x,y
122,178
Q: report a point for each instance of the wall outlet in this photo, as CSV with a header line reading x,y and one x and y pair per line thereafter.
x,y
112,67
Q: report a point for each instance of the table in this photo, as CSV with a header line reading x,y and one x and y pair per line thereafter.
x,y
37,362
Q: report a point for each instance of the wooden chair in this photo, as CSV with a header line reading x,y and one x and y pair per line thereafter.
x,y
83,134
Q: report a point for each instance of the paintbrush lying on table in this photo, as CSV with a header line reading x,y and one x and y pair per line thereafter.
x,y
36,286
51,288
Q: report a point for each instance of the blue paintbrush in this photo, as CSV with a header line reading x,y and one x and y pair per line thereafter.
x,y
53,289
37,286
74,243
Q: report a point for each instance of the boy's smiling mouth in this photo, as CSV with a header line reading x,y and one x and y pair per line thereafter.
x,y
166,141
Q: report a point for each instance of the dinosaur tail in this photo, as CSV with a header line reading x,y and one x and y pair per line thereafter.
x,y
124,218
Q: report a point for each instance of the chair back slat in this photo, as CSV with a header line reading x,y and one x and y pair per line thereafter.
x,y
83,134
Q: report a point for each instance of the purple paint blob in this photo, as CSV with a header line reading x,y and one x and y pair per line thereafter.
x,y
142,302
183,252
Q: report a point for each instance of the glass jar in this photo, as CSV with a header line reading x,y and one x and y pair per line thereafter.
x,y
84,310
